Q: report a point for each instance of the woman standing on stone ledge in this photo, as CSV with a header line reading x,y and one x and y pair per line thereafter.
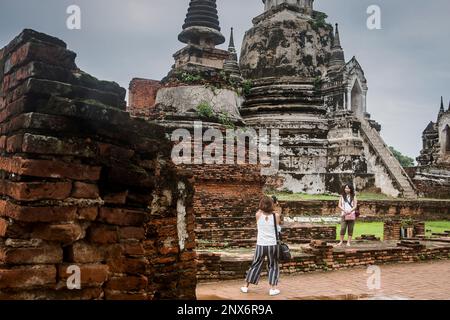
x,y
266,246
348,205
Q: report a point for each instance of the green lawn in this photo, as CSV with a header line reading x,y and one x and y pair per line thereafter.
x,y
376,228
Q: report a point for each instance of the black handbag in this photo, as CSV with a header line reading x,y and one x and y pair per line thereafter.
x,y
284,253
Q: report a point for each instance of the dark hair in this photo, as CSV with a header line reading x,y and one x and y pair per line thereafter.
x,y
275,199
266,204
352,191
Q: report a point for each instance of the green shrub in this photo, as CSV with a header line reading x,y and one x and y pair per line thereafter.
x,y
247,85
205,110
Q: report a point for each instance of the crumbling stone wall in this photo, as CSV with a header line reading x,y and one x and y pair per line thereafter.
x,y
84,185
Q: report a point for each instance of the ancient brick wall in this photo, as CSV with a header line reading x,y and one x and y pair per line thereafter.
x,y
85,185
376,210
142,96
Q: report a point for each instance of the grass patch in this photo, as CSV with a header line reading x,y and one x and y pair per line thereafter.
x,y
437,227
376,228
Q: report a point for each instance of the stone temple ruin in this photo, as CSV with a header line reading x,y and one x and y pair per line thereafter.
x,y
432,176
88,181
297,80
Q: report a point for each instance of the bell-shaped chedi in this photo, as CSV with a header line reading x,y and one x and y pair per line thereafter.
x,y
285,54
202,24
201,34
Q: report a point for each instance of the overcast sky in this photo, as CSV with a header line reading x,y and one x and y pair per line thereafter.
x,y
407,62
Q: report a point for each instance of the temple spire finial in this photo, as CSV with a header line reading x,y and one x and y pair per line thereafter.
x,y
442,104
337,38
202,26
231,65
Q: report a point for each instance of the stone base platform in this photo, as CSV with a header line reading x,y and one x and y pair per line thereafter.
x,y
232,264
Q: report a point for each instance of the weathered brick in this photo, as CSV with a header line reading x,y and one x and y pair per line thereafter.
x,y
82,252
64,233
37,121
36,70
125,296
133,249
45,254
129,233
37,214
121,217
27,277
116,197
49,169
129,283
83,190
128,265
37,51
33,191
103,234
92,275
4,224
89,213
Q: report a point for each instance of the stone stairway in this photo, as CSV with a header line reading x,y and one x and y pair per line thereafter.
x,y
393,166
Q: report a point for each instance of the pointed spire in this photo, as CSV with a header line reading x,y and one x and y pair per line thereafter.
x,y
449,105
337,38
231,45
442,104
337,59
202,25
231,65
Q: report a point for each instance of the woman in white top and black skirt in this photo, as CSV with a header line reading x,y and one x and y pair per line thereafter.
x,y
266,247
348,205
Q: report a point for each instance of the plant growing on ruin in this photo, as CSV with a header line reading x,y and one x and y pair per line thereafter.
x,y
247,85
319,20
225,119
205,110
188,77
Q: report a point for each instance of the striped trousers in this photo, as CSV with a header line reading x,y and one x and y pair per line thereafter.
x,y
254,274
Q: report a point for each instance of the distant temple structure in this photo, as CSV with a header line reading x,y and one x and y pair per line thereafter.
x,y
432,176
291,76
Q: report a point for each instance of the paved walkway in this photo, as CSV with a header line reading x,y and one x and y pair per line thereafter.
x,y
418,281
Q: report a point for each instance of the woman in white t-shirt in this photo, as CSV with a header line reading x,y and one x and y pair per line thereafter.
x,y
267,246
348,205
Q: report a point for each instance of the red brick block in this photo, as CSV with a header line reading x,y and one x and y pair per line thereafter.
x,y
89,213
38,51
64,233
131,233
83,190
82,252
128,265
129,283
3,143
116,198
37,214
133,249
103,234
49,169
124,296
45,254
27,277
4,224
33,191
121,217
92,275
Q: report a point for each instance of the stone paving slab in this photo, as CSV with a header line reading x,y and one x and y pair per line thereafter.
x,y
417,281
